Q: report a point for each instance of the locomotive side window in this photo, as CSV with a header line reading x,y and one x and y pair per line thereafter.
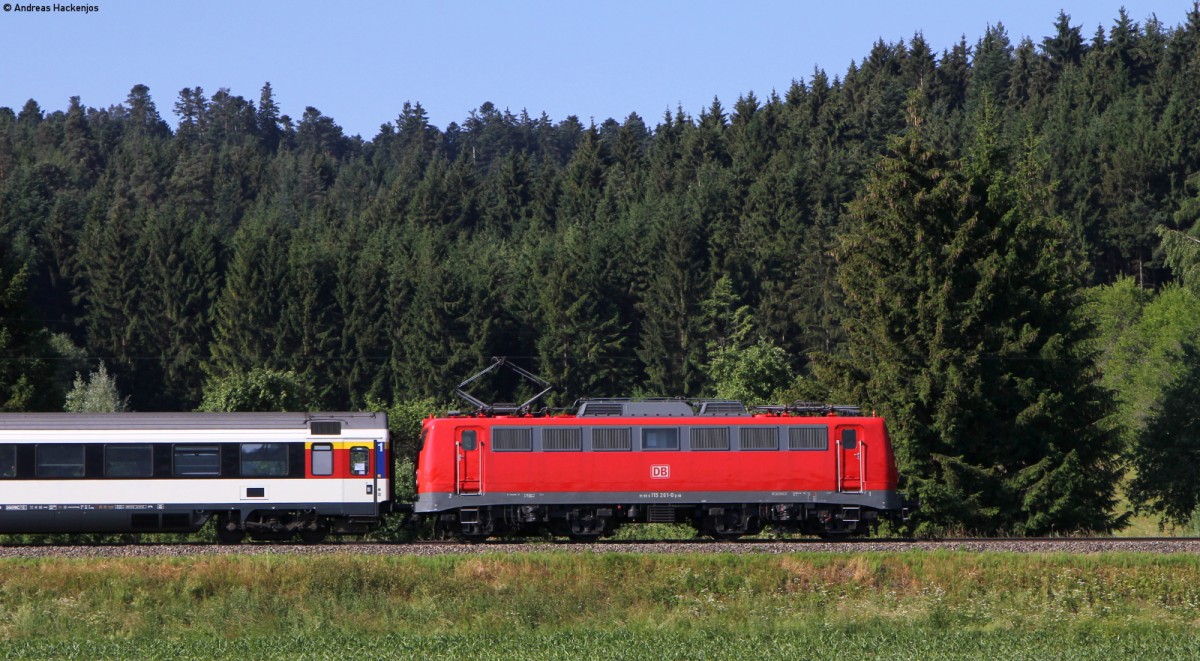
x,y
322,459
197,461
59,461
128,461
849,439
8,461
660,438
264,460
360,460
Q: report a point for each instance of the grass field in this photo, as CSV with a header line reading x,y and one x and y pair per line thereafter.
x,y
560,605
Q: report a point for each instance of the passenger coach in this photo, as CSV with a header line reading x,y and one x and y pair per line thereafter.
x,y
271,475
714,465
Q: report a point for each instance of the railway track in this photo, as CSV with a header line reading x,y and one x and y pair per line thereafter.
x,y
1074,545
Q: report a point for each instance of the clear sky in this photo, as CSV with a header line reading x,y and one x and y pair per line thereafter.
x,y
358,62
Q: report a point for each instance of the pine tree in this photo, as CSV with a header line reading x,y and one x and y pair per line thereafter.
x,y
961,295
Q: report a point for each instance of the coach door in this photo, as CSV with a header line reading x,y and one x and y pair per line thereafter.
x,y
469,463
851,455
362,486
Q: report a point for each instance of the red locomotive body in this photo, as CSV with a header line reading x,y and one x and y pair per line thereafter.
x,y
725,471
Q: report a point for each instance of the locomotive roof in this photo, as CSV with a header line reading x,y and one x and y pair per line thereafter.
x,y
349,420
680,408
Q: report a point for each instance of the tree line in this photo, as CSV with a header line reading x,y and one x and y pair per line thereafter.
x,y
975,243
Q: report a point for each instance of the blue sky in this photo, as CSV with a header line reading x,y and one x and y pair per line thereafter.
x,y
358,62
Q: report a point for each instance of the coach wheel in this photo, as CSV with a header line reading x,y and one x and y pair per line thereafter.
x,y
314,535
228,532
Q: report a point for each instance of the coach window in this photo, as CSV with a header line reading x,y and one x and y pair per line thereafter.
x,y
59,461
360,460
8,461
197,461
660,438
322,459
128,461
264,460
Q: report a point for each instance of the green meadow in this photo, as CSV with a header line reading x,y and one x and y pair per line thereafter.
x,y
569,605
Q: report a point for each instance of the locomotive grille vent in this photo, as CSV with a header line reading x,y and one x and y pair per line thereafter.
x,y
562,439
612,438
660,514
325,427
602,408
506,439
812,437
760,438
710,438
722,408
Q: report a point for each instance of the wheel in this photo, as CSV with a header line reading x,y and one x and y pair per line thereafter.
x,y
314,535
228,535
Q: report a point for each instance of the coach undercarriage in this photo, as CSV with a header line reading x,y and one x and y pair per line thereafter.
x,y
282,525
720,521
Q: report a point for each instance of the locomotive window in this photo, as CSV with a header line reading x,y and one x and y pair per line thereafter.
x,y
8,461
710,438
759,438
128,461
322,459
264,460
59,461
612,438
197,460
849,439
468,439
810,437
660,438
360,460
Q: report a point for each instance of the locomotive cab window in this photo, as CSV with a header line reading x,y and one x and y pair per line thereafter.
x,y
197,461
55,460
660,438
360,460
322,459
8,461
468,439
849,439
128,461
264,460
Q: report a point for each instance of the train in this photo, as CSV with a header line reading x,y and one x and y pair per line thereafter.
x,y
719,466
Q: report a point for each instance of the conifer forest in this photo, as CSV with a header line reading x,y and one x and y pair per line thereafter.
x,y
994,246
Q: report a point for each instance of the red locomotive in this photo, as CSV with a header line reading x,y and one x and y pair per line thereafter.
x,y
713,464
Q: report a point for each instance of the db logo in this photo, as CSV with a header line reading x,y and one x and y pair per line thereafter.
x,y
660,472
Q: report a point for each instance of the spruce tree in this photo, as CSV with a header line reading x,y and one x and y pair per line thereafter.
x,y
961,294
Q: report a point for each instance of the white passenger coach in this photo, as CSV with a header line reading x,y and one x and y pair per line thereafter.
x,y
269,475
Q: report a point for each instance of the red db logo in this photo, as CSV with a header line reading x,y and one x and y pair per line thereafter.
x,y
660,472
